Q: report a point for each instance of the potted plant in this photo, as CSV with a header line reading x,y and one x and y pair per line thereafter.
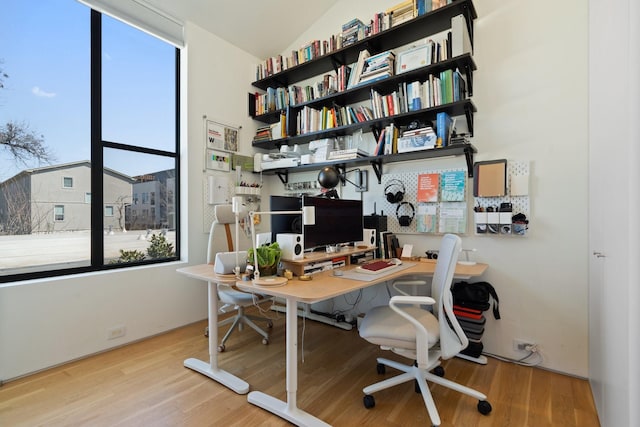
x,y
268,258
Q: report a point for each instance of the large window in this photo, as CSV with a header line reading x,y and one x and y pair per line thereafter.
x,y
99,98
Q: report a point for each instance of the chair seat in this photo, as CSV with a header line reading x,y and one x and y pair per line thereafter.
x,y
231,296
384,327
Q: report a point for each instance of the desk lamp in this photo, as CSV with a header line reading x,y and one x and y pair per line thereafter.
x,y
308,218
237,209
329,177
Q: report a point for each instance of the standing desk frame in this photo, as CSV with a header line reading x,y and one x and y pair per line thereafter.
x,y
323,286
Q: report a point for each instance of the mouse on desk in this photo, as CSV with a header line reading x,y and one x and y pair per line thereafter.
x,y
395,261
337,272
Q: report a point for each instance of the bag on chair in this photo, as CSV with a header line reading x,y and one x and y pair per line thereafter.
x,y
476,296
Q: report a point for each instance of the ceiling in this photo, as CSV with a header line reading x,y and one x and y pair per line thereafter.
x,y
282,21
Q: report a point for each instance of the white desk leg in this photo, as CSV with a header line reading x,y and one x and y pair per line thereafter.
x,y
288,410
211,369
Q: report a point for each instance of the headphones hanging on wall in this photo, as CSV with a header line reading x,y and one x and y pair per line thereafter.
x,y
398,195
405,220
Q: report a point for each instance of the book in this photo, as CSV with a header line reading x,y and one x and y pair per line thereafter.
x,y
443,128
460,38
354,78
376,267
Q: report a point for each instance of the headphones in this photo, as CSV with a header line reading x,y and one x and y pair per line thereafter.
x,y
398,195
405,220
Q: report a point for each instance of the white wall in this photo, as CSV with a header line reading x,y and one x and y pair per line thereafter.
x,y
48,322
531,93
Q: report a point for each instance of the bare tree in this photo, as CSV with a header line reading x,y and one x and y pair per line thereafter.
x,y
121,203
22,143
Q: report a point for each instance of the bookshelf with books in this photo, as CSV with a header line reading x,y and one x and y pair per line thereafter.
x,y
337,95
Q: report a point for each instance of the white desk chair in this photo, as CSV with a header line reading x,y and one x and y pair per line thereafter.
x,y
406,328
221,239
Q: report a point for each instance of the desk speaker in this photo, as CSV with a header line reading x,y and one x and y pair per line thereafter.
x,y
368,237
292,245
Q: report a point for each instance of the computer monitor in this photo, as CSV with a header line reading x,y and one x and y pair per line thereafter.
x,y
337,221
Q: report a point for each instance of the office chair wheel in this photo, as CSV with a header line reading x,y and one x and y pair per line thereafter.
x,y
484,407
369,401
221,348
206,332
381,369
265,341
439,371
270,324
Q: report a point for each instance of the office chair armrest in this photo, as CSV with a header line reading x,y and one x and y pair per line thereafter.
x,y
410,299
417,282
422,335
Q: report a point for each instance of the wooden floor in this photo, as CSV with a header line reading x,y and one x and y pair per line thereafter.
x,y
146,384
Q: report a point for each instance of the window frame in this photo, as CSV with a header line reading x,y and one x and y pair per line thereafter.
x,y
64,182
98,145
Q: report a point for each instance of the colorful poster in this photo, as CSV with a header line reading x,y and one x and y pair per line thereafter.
x,y
428,186
453,186
426,218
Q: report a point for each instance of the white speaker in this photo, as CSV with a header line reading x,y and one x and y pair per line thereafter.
x,y
369,237
292,245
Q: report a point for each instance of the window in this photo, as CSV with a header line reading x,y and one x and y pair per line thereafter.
x,y
109,148
58,213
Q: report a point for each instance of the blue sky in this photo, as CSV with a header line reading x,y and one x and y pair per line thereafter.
x,y
44,47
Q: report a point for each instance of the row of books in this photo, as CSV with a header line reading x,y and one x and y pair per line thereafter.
x,y
316,119
279,98
446,87
352,31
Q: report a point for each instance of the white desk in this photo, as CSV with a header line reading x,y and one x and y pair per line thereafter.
x,y
323,286
211,369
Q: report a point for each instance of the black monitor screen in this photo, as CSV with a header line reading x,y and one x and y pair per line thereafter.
x,y
337,220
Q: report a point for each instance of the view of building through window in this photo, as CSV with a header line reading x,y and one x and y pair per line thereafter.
x,y
45,140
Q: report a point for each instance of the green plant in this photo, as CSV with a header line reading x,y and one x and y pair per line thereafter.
x,y
128,256
268,258
160,247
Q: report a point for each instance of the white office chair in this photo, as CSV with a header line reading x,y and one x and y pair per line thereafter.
x,y
408,329
221,239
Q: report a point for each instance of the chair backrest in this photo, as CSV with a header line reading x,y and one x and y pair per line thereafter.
x,y
222,235
452,337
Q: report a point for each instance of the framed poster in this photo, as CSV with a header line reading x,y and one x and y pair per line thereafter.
x,y
218,160
221,137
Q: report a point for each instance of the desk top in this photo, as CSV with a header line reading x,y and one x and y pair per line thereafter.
x,y
325,285
205,272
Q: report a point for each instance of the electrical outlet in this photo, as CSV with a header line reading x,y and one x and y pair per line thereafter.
x,y
116,332
521,345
